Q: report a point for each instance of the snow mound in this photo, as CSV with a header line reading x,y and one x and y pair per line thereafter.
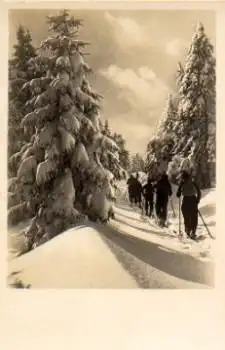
x,y
78,257
75,259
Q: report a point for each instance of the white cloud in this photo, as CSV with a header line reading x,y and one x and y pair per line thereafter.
x,y
147,73
175,47
126,31
137,135
141,89
146,95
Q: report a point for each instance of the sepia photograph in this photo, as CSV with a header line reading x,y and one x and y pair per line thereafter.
x,y
111,149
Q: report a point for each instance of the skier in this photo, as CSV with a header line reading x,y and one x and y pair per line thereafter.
x,y
148,196
191,197
163,192
131,190
137,191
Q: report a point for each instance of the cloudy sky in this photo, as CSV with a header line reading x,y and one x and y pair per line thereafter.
x,y
134,55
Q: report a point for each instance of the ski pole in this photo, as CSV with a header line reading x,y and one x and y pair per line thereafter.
x,y
207,229
142,206
179,220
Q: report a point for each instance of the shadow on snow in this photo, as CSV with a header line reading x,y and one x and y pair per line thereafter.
x,y
174,263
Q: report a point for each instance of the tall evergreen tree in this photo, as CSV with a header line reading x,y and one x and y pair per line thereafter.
x,y
115,162
196,110
186,135
123,152
18,74
23,50
160,148
61,174
169,118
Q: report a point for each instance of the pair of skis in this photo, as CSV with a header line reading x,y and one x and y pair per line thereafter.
x,y
182,237
203,221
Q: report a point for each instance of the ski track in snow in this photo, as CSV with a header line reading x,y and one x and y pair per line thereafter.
x,y
128,252
155,258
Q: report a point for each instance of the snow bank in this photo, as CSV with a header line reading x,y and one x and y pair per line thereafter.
x,y
78,258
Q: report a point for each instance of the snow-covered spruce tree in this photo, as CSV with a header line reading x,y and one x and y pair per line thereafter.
x,y
159,150
63,160
123,152
112,160
165,131
196,110
19,188
156,162
18,74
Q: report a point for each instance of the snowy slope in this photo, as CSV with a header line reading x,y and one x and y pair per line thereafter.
x,y
126,253
112,256
77,258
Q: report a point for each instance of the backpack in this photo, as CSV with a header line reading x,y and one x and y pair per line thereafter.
x,y
188,189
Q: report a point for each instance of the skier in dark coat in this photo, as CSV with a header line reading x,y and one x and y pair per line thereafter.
x,y
148,196
137,191
163,192
189,207
131,189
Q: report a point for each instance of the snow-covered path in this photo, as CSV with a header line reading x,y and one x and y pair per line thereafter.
x,y
155,258
126,253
